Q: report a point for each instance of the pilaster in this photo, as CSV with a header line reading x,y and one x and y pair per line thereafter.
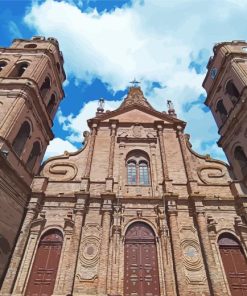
x,y
116,233
73,248
90,151
182,287
17,257
192,184
170,289
167,182
104,251
209,261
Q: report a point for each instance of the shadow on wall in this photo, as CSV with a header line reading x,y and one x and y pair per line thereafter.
x,y
4,245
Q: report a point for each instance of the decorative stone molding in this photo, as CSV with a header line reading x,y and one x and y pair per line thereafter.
x,y
60,171
89,252
212,176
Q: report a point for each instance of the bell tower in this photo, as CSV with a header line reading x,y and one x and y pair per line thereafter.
x,y
31,76
226,86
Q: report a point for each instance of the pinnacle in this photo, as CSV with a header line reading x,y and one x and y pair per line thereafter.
x,y
135,96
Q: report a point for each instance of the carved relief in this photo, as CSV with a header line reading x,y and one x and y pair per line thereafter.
x,y
211,174
192,259
136,131
60,171
89,252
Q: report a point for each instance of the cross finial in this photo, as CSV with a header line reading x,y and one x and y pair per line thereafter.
x,y
134,82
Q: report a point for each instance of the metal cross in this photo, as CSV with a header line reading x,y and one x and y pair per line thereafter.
x,y
135,82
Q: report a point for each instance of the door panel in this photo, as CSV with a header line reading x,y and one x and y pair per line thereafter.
x,y
44,270
235,269
141,266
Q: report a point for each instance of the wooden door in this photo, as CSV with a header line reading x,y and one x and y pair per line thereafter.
x,y
235,266
140,262
45,265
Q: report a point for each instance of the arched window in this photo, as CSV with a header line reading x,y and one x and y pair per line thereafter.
x,y
21,138
138,168
143,173
19,69
132,173
35,152
234,263
221,110
232,92
2,65
44,270
45,87
241,159
51,104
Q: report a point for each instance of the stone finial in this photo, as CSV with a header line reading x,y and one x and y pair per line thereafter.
x,y
171,110
101,105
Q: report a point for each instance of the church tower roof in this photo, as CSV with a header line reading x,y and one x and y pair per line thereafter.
x,y
135,96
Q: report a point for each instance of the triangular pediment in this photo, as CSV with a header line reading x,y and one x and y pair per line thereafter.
x,y
138,113
136,109
135,115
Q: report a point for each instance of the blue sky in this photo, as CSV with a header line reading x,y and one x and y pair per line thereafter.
x,y
164,44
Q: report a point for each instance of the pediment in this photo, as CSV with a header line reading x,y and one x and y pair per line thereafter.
x,y
138,114
135,116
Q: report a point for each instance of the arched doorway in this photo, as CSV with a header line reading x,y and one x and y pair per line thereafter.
x,y
141,276
45,265
234,262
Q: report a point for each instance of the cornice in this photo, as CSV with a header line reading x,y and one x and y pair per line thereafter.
x,y
134,106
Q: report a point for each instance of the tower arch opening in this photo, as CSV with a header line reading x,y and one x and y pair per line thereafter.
x,y
221,110
241,158
21,138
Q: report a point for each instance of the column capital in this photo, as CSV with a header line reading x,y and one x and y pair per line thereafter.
x,y
81,200
107,205
159,125
172,207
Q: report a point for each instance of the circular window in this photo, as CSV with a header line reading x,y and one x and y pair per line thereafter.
x,y
31,45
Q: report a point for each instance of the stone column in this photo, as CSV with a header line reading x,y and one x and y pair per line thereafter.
x,y
209,261
9,281
109,179
242,229
85,178
112,148
121,175
116,232
167,181
29,255
68,275
166,253
182,288
104,251
192,184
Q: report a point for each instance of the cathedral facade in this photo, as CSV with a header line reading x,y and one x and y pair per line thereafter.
x,y
135,212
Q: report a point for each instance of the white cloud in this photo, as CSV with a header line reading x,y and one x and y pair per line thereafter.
x,y
14,30
57,147
77,124
155,41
